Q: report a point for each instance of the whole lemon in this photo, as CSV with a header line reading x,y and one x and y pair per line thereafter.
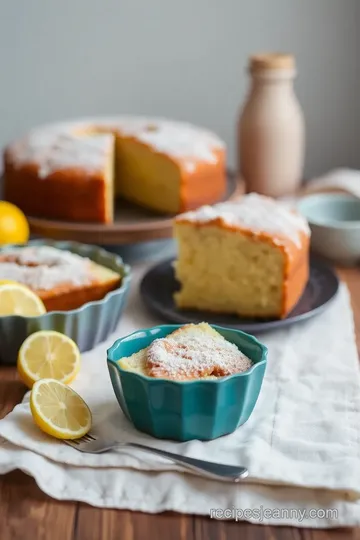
x,y
14,228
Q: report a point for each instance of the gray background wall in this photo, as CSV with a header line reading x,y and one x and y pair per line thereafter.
x,y
182,59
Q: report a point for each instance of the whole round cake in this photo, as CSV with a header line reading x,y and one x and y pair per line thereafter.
x,y
74,170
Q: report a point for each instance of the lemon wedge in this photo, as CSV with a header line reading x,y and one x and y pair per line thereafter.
x,y
16,299
48,354
58,410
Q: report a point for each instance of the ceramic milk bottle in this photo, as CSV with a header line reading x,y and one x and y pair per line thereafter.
x,y
271,128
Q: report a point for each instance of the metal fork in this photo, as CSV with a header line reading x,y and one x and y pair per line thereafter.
x,y
229,473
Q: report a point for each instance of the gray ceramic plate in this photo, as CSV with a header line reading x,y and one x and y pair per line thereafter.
x,y
159,284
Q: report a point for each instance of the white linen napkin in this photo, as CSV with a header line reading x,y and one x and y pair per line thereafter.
x,y
344,180
301,445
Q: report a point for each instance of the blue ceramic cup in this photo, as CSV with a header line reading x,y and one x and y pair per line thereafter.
x,y
201,409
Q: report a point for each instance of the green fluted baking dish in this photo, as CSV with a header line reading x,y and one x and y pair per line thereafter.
x,y
88,325
202,409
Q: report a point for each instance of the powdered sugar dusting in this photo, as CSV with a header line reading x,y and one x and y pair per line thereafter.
x,y
45,267
186,142
256,213
86,143
54,149
70,151
195,356
181,140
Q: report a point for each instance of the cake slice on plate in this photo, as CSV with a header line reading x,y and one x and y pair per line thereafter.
x,y
249,258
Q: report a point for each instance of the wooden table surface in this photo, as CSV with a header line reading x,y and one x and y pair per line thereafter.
x,y
28,514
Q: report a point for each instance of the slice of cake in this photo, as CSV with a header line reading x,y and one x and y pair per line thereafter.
x,y
249,258
191,352
61,175
169,167
63,280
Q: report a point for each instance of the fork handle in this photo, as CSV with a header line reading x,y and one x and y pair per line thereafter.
x,y
210,469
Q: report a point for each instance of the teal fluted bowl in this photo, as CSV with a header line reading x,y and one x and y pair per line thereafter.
x,y
201,409
87,325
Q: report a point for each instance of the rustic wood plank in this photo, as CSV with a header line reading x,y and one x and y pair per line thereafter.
x,y
97,524
209,529
351,276
331,534
12,390
28,514
25,511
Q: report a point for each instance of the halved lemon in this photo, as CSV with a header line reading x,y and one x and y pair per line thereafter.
x,y
48,354
58,410
16,299
8,282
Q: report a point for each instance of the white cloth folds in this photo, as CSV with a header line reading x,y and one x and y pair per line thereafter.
x,y
301,444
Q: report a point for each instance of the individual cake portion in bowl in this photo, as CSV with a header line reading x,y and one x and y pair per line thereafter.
x,y
191,352
187,382
62,279
249,258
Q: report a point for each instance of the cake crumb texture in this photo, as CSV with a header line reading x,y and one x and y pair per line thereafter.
x,y
248,258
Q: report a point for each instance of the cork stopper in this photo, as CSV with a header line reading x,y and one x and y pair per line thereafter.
x,y
271,61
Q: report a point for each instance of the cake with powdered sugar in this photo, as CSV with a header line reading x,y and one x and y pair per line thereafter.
x,y
74,170
248,258
194,351
62,279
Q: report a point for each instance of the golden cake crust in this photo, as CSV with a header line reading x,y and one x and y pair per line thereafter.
x,y
71,195
67,296
63,280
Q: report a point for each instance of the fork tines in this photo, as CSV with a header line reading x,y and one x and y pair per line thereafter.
x,y
85,438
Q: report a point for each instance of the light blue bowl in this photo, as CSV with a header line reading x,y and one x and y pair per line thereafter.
x,y
334,220
185,410
88,325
